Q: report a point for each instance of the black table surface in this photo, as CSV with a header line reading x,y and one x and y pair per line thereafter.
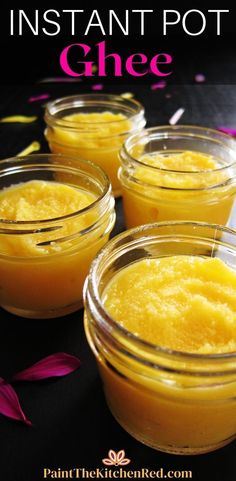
x,y
72,426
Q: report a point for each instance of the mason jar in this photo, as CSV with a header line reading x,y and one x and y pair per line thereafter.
x,y
174,401
43,260
157,187
93,127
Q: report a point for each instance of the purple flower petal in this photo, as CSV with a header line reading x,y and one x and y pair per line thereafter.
x,y
9,403
227,131
56,365
200,78
97,87
37,98
159,85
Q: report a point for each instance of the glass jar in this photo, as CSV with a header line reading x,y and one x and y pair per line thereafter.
x,y
93,127
154,194
43,263
177,402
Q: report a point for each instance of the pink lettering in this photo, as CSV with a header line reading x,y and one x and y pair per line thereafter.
x,y
118,67
102,61
130,62
66,67
155,62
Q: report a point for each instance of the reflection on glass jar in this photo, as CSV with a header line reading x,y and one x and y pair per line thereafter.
x,y
93,127
53,220
178,173
168,363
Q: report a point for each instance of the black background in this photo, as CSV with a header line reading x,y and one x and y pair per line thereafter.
x,y
71,423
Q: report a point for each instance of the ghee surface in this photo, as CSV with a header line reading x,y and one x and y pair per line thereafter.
x,y
93,136
185,303
39,200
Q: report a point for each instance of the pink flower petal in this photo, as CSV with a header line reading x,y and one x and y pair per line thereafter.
x,y
159,85
37,98
56,365
227,131
200,78
97,87
9,403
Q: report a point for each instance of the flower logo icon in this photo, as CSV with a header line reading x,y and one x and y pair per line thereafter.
x,y
116,459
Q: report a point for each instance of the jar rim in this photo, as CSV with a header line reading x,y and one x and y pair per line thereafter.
x,y
91,293
187,131
132,106
31,162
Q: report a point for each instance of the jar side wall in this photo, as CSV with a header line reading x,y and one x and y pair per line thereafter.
x,y
166,423
44,287
163,416
106,157
143,206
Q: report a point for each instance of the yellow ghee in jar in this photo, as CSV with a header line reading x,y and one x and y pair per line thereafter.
x,y
177,186
45,270
92,136
184,303
187,304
